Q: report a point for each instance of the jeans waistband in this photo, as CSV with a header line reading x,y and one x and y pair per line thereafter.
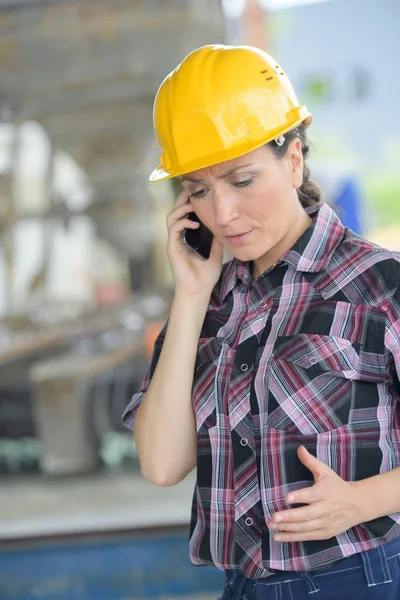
x,y
374,562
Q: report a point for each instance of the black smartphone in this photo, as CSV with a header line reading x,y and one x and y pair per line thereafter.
x,y
199,239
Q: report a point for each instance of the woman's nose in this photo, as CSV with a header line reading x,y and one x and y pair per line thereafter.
x,y
224,209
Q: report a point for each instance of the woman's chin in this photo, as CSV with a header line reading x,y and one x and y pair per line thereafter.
x,y
246,254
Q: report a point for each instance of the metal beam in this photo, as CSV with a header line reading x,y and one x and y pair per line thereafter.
x,y
17,4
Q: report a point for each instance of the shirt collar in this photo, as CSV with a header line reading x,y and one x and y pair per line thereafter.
x,y
310,253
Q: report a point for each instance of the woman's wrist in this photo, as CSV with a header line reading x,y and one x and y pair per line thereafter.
x,y
191,302
189,310
378,495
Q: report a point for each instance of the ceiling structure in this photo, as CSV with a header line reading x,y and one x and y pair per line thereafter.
x,y
88,70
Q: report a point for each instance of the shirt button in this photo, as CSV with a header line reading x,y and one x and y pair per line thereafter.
x,y
244,367
313,360
263,304
244,441
249,521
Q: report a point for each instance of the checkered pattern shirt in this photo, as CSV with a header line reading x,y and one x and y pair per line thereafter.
x,y
307,354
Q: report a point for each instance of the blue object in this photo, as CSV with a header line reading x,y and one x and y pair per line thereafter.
x,y
348,205
116,568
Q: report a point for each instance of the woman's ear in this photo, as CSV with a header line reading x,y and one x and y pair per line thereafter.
x,y
294,156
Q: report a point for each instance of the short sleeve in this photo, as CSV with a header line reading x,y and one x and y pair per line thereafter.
x,y
129,414
392,338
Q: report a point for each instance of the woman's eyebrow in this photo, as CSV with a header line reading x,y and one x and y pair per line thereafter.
x,y
231,171
226,174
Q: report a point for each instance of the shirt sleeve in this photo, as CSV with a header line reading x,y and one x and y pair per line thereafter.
x,y
128,417
392,339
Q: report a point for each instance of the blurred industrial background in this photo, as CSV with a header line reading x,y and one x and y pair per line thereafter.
x,y
84,278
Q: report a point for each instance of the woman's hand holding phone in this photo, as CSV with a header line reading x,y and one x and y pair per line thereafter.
x,y
192,274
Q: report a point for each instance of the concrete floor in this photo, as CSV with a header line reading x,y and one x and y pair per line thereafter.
x,y
37,505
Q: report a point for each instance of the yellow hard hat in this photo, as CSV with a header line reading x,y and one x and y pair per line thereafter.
x,y
220,103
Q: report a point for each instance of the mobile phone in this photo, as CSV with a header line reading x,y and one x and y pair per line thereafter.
x,y
199,239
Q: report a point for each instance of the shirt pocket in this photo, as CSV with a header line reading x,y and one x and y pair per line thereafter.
x,y
208,350
205,382
318,383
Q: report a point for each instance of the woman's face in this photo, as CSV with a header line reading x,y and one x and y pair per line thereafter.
x,y
250,203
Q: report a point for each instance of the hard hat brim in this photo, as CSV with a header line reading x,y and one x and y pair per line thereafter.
x,y
159,174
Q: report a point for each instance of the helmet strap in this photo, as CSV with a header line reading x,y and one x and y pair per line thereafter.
x,y
280,140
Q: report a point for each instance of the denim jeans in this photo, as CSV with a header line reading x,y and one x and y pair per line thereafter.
x,y
371,575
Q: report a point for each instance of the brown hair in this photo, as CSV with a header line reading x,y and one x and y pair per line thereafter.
x,y
309,193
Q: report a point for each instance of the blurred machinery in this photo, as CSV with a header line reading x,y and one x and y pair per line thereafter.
x,y
87,72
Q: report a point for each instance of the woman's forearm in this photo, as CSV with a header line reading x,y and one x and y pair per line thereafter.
x,y
165,428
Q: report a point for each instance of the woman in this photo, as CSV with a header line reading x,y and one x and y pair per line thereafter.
x,y
277,373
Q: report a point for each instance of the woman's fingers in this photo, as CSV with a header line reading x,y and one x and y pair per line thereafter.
x,y
182,199
178,227
179,213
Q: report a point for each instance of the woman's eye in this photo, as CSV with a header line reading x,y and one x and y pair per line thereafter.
x,y
199,194
242,184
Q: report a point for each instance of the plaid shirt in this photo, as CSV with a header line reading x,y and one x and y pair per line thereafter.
x,y
309,353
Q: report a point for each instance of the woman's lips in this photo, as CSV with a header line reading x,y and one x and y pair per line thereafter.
x,y
239,240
